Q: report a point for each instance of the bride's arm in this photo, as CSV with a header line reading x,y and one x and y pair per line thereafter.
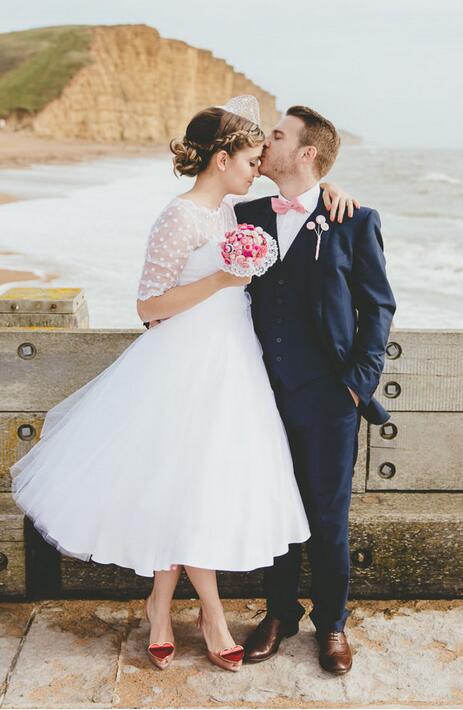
x,y
180,298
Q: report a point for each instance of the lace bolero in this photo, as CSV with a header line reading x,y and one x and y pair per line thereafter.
x,y
181,227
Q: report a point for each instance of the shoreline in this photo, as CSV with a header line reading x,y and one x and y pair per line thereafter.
x,y
8,276
6,198
21,149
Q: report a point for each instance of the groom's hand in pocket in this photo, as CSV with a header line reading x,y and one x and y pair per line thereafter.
x,y
354,396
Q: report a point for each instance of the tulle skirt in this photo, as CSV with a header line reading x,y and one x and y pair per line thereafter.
x,y
174,454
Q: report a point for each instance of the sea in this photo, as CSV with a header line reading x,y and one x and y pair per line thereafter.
x,y
88,223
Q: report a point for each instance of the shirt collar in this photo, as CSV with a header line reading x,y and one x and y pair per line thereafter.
x,y
309,198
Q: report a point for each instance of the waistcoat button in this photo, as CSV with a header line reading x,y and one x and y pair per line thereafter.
x,y
281,282
279,358
279,340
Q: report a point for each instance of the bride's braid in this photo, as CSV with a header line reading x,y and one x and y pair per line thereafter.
x,y
209,131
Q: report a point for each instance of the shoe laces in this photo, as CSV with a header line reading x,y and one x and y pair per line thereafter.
x,y
335,635
258,612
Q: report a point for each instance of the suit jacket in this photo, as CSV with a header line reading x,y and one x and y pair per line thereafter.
x,y
351,301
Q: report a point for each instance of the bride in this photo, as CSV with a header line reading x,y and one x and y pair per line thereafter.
x,y
175,455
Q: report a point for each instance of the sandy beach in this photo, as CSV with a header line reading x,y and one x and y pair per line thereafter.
x,y
15,275
4,198
19,149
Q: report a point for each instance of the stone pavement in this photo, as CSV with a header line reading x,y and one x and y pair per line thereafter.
x,y
91,653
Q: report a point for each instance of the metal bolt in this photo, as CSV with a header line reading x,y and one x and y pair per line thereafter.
x,y
53,307
27,351
14,307
3,561
392,390
26,432
393,350
388,431
387,470
361,558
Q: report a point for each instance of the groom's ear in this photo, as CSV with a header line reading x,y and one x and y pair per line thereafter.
x,y
309,153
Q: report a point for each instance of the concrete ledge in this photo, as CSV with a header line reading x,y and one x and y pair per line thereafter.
x,y
59,654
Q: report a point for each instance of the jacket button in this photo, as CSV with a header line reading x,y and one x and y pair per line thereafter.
x,y
281,282
279,358
279,340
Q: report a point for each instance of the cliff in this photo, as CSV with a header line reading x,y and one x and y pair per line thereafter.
x,y
120,83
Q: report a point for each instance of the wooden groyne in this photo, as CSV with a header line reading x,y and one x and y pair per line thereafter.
x,y
407,510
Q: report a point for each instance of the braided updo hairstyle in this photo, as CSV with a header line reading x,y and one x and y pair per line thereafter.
x,y
211,130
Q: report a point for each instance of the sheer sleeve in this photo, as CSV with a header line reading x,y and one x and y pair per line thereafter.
x,y
171,238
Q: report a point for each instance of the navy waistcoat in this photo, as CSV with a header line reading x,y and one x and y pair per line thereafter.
x,y
281,312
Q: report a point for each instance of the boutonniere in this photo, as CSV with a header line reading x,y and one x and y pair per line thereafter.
x,y
320,225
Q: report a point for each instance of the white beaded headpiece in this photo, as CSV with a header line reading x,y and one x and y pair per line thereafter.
x,y
245,106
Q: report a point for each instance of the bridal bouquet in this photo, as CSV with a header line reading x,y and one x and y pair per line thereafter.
x,y
248,251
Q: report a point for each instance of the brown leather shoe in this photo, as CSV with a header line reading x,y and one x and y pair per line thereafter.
x,y
265,640
335,653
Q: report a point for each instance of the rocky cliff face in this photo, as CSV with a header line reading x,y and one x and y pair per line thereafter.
x,y
140,87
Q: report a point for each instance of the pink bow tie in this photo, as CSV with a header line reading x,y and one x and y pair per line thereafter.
x,y
282,206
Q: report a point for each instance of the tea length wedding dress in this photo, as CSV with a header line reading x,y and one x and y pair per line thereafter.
x,y
175,453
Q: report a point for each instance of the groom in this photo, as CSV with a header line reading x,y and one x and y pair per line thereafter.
x,y
322,313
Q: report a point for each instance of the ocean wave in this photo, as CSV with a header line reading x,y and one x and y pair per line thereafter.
x,y
440,177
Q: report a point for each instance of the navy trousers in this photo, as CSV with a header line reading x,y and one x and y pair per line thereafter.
x,y
322,423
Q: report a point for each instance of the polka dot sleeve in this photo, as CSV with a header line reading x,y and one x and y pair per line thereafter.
x,y
172,237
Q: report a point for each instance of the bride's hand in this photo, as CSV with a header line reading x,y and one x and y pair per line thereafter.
x,y
337,201
225,279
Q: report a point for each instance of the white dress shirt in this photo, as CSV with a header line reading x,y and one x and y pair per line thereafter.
x,y
289,224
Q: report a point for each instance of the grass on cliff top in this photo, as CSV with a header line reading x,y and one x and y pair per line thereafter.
x,y
36,65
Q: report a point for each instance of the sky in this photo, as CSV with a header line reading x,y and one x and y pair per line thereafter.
x,y
388,70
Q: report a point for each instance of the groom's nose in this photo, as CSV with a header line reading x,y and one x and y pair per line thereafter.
x,y
267,142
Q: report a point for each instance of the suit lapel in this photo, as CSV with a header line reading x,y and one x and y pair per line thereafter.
x,y
304,235
315,266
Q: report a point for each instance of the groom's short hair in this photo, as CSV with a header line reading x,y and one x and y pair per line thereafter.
x,y
319,132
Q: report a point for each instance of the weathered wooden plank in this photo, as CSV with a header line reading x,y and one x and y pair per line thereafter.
x,y
90,579
13,426
425,352
360,472
57,363
41,300
427,366
424,453
402,545
79,319
429,370
11,520
12,549
421,393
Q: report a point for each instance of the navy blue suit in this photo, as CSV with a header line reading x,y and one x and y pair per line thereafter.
x,y
323,324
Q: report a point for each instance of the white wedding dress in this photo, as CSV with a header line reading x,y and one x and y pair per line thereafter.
x,y
176,452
